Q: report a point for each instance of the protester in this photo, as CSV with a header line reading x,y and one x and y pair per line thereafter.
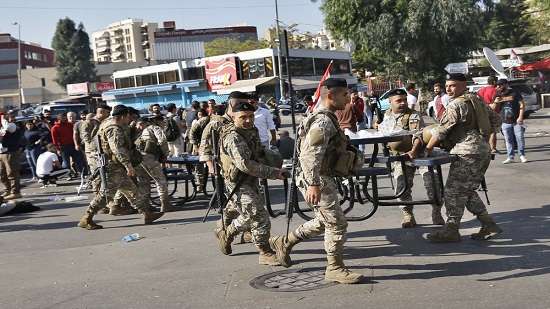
x,y
48,167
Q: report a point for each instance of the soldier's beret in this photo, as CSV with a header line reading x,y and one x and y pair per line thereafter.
x,y
119,110
502,81
456,76
132,110
239,95
243,106
397,91
335,82
104,106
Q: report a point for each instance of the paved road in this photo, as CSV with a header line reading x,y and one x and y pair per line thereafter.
x,y
47,262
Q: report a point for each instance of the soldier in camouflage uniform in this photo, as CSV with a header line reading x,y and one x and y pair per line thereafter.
x,y
466,124
319,139
241,151
195,136
116,146
206,153
400,116
153,145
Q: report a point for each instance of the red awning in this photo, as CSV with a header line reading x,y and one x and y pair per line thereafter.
x,y
537,66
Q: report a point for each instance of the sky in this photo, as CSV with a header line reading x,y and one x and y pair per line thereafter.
x,y
38,19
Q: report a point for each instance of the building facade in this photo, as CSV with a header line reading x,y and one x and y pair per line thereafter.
x,y
31,56
169,34
130,40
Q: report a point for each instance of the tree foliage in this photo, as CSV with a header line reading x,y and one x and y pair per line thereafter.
x,y
409,39
224,46
510,25
72,54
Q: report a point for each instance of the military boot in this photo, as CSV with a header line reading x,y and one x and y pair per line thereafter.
x,y
150,216
267,255
488,228
166,206
226,238
437,218
337,271
449,234
408,218
117,211
246,237
87,222
283,247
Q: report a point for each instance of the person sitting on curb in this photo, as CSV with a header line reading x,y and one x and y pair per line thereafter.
x,y
48,167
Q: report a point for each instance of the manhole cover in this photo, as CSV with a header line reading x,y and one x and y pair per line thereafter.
x,y
292,280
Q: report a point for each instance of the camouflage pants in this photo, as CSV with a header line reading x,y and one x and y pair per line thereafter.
x,y
154,169
329,218
465,176
117,180
120,200
399,176
92,164
252,213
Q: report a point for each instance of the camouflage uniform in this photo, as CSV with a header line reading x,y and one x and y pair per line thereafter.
x,y
415,123
465,174
195,136
117,147
89,131
243,157
329,217
151,162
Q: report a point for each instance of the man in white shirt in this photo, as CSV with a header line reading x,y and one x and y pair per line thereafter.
x,y
263,120
48,167
411,98
440,101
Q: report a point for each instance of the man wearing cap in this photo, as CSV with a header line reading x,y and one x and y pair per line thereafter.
x,y
318,137
10,158
285,144
117,146
240,153
512,109
465,126
206,148
401,117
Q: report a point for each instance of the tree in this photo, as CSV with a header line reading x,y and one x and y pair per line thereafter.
x,y
509,27
224,46
410,39
538,13
72,54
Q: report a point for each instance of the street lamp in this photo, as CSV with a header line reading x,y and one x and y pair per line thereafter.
x,y
279,55
19,64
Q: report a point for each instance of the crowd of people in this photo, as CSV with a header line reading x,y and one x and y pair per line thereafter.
x,y
128,152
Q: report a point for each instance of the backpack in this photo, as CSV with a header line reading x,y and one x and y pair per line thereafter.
x,y
171,129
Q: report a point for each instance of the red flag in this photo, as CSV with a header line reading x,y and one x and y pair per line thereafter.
x,y
318,91
541,78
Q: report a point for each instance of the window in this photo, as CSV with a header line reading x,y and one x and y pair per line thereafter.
x,y
130,56
299,66
128,39
127,31
193,73
171,76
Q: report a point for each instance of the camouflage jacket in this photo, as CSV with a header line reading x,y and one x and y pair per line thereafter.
x,y
314,144
195,135
156,134
116,142
457,114
206,148
234,145
89,131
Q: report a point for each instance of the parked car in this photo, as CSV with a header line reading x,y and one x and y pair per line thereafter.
x,y
299,107
529,96
57,108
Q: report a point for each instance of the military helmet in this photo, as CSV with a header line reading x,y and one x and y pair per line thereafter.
x,y
426,135
273,158
402,146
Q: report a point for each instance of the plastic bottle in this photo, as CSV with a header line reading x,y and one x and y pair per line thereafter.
x,y
75,198
130,238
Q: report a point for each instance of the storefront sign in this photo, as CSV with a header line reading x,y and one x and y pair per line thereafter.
x,y
220,72
101,87
75,89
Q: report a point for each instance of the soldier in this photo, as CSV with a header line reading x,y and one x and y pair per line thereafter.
x,y
466,126
153,145
400,116
195,139
117,147
320,140
206,151
241,151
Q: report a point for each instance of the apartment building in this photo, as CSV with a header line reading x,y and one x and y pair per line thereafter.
x,y
129,40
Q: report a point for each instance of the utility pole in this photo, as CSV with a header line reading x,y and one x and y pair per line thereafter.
x,y
279,54
19,66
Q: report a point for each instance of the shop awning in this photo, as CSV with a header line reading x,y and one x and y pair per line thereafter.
x,y
301,84
536,66
153,88
248,85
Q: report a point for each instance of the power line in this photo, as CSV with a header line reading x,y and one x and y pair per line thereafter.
x,y
150,9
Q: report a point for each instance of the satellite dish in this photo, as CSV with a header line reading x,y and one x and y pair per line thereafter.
x,y
494,61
